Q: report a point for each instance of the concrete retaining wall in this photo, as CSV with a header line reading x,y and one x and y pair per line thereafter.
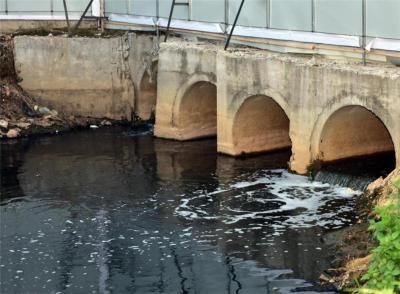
x,y
95,77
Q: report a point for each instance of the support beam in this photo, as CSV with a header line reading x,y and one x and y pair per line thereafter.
x,y
234,25
83,15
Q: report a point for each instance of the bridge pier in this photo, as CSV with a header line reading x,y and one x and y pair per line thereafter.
x,y
186,96
323,110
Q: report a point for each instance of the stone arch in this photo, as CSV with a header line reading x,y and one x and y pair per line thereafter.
x,y
260,124
195,108
351,128
147,98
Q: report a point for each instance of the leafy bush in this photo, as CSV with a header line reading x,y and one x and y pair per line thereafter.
x,y
384,270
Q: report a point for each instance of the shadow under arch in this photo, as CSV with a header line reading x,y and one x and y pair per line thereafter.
x,y
352,131
260,125
195,108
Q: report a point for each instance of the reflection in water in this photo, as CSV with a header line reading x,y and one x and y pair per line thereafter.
x,y
113,211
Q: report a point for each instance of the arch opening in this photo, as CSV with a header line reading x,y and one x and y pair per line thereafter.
x,y
197,116
145,107
260,125
351,132
355,148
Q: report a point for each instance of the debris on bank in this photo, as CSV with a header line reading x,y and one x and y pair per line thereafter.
x,y
20,114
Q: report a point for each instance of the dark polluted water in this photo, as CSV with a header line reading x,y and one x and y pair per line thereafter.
x,y
117,211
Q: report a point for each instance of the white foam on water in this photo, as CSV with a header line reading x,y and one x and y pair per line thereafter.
x,y
298,199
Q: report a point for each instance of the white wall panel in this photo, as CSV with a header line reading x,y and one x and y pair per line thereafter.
x,y
143,7
254,13
291,14
383,18
2,6
116,6
180,12
28,6
72,5
208,10
338,16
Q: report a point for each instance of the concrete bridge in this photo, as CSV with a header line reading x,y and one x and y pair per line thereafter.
x,y
252,100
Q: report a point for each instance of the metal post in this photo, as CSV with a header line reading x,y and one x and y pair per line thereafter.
x,y
234,25
66,17
169,20
102,14
84,13
226,18
157,21
313,15
364,31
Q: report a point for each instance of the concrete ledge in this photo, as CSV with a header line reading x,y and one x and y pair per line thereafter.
x,y
9,26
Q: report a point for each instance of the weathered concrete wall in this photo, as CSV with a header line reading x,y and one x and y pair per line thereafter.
x,y
307,92
253,100
143,64
181,67
80,76
95,77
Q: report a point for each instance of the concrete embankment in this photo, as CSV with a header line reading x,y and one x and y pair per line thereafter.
x,y
251,100
91,77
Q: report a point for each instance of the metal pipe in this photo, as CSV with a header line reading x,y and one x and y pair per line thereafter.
x,y
226,18
364,31
66,17
82,16
313,15
169,20
234,25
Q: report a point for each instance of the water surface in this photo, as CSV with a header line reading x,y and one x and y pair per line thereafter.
x,y
116,211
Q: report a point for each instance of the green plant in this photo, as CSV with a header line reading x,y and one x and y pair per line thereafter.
x,y
384,271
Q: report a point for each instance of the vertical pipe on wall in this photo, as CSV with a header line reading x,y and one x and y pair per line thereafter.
x,y
190,10
226,18
102,14
313,15
6,6
51,6
364,30
157,20
268,13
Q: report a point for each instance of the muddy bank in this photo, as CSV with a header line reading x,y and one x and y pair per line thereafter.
x,y
351,247
20,116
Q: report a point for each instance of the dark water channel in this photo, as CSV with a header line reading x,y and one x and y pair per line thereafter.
x,y
117,211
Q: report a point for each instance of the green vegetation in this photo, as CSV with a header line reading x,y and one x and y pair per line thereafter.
x,y
383,275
